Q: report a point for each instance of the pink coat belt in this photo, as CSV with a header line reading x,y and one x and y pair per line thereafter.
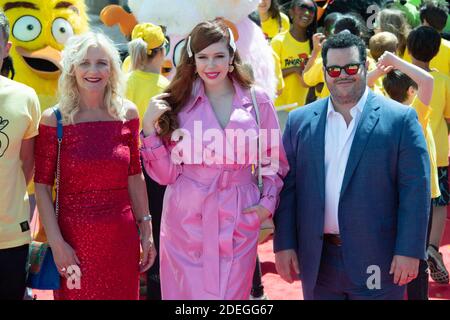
x,y
217,179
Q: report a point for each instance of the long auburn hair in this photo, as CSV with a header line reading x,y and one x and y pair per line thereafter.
x,y
180,89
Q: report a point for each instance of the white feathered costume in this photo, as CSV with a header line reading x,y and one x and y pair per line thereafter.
x,y
181,16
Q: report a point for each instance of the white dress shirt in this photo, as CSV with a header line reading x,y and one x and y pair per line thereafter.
x,y
338,142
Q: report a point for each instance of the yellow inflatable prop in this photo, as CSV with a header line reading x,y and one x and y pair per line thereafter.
x,y
39,30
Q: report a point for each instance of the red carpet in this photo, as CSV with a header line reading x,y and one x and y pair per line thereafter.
x,y
277,289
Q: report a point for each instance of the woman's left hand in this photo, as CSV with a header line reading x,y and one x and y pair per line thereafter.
x,y
262,212
148,250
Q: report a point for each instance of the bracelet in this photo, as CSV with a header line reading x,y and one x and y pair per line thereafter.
x,y
145,218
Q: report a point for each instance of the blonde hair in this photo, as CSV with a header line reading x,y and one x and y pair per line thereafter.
x,y
138,53
393,21
73,54
381,42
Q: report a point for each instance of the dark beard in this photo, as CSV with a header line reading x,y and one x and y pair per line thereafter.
x,y
353,97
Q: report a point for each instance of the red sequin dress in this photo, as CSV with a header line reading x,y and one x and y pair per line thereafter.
x,y
95,209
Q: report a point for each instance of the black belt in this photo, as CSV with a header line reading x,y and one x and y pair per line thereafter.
x,y
334,239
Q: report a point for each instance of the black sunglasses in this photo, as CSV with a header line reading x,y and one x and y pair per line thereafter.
x,y
304,7
351,69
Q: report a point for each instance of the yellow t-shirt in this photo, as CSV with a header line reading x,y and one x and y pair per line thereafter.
x,y
378,85
440,110
271,28
379,88
142,86
126,65
278,73
442,60
315,75
292,53
19,120
423,113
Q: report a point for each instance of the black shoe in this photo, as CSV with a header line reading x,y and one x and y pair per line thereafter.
x,y
436,264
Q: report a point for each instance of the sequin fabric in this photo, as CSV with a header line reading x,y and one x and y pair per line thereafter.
x,y
95,210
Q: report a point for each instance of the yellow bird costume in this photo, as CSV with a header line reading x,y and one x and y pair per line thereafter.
x,y
39,31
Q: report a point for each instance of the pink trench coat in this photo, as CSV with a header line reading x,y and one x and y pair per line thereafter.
x,y
208,246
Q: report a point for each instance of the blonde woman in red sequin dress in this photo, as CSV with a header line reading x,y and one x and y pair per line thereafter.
x,y
103,200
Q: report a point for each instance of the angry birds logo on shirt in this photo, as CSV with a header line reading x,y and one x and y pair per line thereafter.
x,y
4,139
39,31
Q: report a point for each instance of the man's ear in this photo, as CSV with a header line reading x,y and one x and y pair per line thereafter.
x,y
412,91
410,94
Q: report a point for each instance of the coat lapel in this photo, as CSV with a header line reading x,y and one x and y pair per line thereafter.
x,y
367,123
317,128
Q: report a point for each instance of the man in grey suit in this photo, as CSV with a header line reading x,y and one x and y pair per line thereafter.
x,y
353,212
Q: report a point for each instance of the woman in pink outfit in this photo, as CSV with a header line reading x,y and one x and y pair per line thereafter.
x,y
200,138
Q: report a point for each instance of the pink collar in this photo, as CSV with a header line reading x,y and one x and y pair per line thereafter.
x,y
241,97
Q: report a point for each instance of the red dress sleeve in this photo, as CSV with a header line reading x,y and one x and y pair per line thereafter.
x,y
45,153
135,160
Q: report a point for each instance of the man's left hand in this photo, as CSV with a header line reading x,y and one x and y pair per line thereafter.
x,y
405,269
